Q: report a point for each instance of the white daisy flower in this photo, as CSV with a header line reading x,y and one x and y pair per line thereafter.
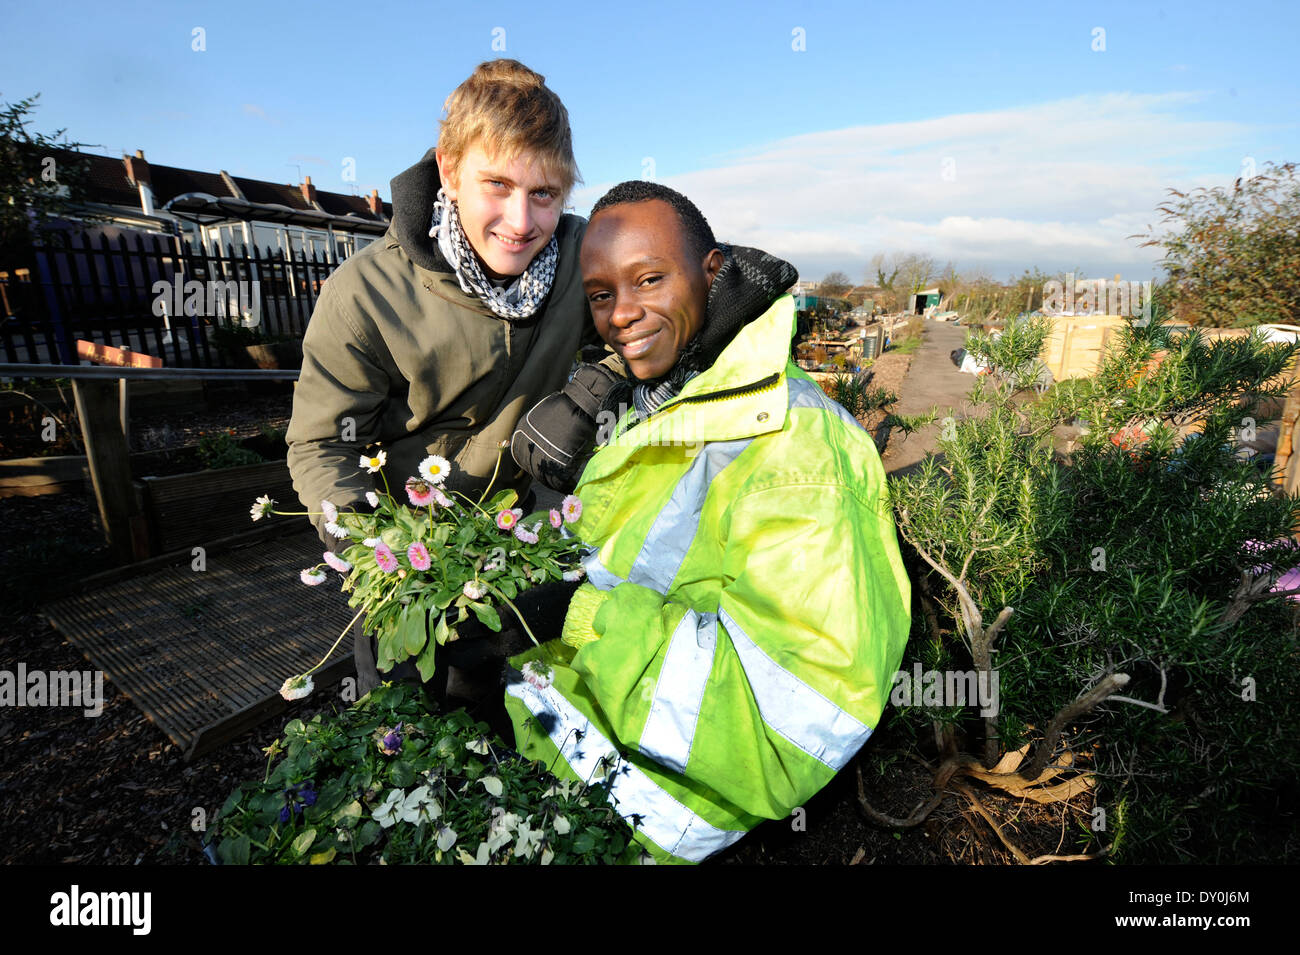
x,y
312,577
372,542
260,507
372,498
474,590
538,674
337,531
373,464
435,469
575,574
296,687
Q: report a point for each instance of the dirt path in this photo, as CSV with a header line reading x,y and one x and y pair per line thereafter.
x,y
932,380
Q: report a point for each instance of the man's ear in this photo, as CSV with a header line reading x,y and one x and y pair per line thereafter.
x,y
447,173
712,265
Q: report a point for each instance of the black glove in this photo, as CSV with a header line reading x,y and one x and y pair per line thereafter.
x,y
557,435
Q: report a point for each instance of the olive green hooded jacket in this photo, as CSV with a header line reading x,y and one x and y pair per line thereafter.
x,y
397,355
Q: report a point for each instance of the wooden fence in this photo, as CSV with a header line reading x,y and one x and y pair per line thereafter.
x,y
153,294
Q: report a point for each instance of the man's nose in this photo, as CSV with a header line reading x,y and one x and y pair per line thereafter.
x,y
626,311
518,213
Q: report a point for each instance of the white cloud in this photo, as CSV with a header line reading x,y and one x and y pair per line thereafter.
x,y
1056,185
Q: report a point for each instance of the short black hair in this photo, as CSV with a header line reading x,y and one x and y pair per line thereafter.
x,y
699,237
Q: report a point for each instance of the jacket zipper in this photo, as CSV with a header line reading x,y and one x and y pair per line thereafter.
x,y
725,394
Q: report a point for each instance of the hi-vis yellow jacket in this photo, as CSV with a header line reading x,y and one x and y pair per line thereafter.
x,y
745,610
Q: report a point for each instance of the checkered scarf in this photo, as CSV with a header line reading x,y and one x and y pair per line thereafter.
x,y
524,296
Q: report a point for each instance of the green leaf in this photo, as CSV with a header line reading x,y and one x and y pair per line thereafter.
x,y
368,834
507,587
409,523
234,851
401,774
389,645
321,858
487,615
425,662
414,635
303,842
349,815
584,842
441,631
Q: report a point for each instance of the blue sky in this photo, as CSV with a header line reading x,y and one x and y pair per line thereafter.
x,y
996,136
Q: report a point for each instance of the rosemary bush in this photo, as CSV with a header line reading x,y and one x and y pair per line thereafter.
x,y
1145,561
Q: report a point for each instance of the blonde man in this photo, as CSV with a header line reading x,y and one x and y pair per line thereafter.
x,y
436,339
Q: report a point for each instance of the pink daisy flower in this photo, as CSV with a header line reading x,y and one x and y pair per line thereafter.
x,y
330,511
508,519
337,562
419,492
571,508
418,555
556,518
385,558
312,577
442,499
525,535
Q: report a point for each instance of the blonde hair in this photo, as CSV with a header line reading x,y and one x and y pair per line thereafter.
x,y
508,109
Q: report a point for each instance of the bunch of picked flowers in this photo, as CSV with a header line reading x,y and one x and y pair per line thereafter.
x,y
419,566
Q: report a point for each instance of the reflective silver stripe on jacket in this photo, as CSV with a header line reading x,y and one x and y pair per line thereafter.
x,y
805,394
668,823
665,546
600,576
670,727
794,709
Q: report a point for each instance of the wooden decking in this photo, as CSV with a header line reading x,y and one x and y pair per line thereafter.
x,y
203,653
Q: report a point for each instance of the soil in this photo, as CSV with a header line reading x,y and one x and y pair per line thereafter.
x,y
115,790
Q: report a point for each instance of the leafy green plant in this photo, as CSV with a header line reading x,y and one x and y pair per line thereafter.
x,y
1127,593
1231,253
390,781
858,399
221,449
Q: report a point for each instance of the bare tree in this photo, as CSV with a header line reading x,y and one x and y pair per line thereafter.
x,y
834,285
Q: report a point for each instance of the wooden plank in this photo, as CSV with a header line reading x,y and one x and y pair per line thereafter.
x,y
110,468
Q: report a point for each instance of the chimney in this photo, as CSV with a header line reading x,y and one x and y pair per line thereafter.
x,y
137,168
137,171
308,191
375,203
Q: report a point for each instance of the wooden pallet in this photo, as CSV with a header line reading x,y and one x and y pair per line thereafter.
x,y
203,653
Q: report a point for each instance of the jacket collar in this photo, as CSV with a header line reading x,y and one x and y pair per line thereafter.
x,y
414,192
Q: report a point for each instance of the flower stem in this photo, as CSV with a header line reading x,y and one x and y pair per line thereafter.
x,y
511,605
336,643
495,468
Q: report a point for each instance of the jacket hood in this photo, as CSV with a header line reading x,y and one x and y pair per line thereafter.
x,y
414,193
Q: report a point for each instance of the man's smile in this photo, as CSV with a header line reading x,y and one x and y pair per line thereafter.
x,y
637,345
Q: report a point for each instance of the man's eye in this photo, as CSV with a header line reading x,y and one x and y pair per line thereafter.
x,y
544,194
598,297
651,279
